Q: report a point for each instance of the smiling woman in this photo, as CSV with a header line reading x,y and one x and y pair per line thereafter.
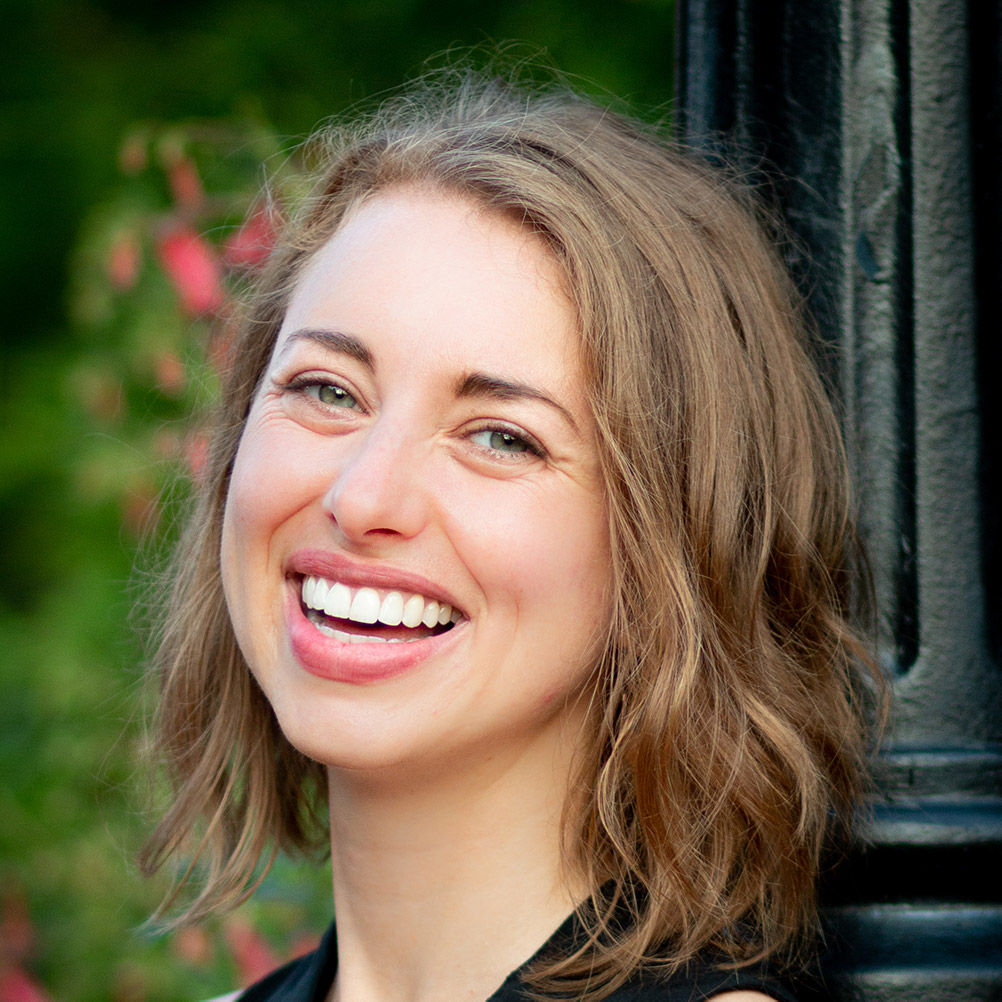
x,y
377,444
524,555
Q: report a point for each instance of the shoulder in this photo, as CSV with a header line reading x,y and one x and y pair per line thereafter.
x,y
229,997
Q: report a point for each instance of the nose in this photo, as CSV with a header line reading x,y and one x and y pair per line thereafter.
x,y
377,491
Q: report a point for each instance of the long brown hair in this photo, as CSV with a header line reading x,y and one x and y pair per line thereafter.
x,y
729,734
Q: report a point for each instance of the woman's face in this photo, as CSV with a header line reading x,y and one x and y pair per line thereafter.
x,y
415,551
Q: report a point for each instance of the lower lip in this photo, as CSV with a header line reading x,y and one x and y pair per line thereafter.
x,y
357,664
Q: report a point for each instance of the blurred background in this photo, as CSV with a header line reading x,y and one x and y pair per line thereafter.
x,y
130,166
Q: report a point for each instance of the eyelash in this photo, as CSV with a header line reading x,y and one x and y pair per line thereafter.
x,y
301,384
307,381
532,447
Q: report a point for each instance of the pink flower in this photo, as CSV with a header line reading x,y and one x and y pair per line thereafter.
x,y
17,986
253,956
193,268
196,454
170,375
185,184
193,945
251,244
302,944
17,934
221,347
132,157
141,512
102,395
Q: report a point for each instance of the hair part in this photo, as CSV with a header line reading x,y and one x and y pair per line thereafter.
x,y
729,735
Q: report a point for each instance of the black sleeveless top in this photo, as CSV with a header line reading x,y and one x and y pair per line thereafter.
x,y
309,979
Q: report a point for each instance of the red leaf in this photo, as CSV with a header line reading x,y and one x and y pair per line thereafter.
x,y
193,268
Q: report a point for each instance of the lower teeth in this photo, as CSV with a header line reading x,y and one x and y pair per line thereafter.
x,y
356,638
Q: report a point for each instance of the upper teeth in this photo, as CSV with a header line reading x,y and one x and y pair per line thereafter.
x,y
367,605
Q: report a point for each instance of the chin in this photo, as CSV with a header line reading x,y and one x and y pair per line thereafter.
x,y
341,738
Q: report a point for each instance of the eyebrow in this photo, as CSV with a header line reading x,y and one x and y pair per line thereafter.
x,y
474,384
343,344
479,384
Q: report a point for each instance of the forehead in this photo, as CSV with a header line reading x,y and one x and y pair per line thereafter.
x,y
422,269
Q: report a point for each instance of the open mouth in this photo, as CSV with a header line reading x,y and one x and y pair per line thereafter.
x,y
373,615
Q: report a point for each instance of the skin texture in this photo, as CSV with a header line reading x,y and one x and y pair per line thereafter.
x,y
423,426
400,482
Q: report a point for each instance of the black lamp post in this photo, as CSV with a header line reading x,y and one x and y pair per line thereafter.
x,y
878,123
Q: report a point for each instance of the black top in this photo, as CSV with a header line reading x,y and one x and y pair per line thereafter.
x,y
309,979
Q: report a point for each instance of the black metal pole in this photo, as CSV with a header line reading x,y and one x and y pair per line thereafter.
x,y
877,125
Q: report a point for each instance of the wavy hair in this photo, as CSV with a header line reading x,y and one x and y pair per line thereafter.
x,y
729,734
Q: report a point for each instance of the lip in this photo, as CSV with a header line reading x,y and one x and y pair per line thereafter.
x,y
356,664
338,567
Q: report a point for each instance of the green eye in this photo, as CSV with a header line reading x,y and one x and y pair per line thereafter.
x,y
334,396
499,440
504,441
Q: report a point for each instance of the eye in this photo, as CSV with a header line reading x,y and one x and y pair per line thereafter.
x,y
505,441
330,394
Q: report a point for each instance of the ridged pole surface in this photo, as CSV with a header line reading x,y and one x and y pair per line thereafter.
x,y
876,124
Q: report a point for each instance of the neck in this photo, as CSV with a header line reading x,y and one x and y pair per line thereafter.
x,y
444,886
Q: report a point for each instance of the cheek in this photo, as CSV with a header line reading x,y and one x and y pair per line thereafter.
x,y
246,510
249,504
260,495
234,549
275,474
546,552
567,546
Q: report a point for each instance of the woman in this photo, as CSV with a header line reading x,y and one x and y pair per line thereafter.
x,y
525,545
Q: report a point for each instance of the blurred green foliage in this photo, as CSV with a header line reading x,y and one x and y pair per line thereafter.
x,y
105,362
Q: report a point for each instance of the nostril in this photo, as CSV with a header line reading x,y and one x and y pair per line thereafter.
x,y
377,493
